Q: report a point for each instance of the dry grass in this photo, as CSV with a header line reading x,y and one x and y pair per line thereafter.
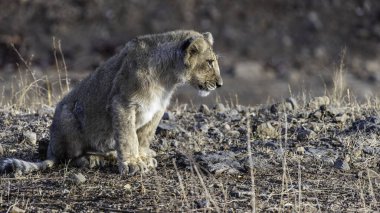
x,y
294,183
31,88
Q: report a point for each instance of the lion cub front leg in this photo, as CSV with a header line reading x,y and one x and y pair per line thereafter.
x,y
127,144
145,135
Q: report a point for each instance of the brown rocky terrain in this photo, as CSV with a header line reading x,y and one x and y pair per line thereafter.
x,y
305,156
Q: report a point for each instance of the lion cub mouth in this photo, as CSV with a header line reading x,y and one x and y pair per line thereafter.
x,y
203,93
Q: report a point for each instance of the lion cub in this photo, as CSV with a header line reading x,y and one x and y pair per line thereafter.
x,y
115,111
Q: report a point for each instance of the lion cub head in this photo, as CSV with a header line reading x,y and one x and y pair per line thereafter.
x,y
202,69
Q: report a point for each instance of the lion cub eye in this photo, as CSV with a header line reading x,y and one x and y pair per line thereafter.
x,y
210,62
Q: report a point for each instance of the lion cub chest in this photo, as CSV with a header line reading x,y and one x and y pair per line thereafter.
x,y
149,108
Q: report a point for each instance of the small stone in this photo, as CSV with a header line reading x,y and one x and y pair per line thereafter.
x,y
77,178
128,188
168,116
204,109
317,102
204,203
342,164
341,118
203,127
293,102
65,191
220,107
305,134
226,127
317,114
300,150
1,150
266,130
233,133
30,137
241,108
16,209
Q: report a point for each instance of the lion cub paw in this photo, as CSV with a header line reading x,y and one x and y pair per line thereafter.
x,y
132,166
148,157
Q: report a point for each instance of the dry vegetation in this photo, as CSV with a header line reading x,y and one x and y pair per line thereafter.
x,y
300,155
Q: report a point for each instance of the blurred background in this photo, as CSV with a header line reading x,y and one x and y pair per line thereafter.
x,y
270,49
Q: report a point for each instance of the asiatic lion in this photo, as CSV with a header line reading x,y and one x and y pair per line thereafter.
x,y
114,112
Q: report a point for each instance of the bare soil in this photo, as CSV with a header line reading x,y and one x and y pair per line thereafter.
x,y
313,157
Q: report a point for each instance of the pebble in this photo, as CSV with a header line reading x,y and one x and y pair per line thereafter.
x,y
204,203
30,137
220,107
317,102
168,116
266,130
300,150
305,134
342,164
226,127
293,102
204,109
77,178
1,150
128,188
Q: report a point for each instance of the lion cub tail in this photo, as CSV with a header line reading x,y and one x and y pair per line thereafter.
x,y
12,165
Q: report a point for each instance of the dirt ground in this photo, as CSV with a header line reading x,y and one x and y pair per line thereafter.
x,y
306,156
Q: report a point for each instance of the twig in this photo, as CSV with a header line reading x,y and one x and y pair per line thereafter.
x,y
253,195
205,188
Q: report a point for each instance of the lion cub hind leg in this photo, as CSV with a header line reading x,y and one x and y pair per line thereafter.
x,y
96,159
145,135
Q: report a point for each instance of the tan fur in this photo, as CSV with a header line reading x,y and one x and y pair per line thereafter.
x,y
119,106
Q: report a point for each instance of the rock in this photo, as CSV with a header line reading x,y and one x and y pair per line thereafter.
x,y
234,115
341,118
203,127
204,109
241,109
1,150
258,162
293,102
226,127
220,107
266,130
30,137
370,150
77,178
342,164
164,128
128,188
317,114
215,133
219,162
290,104
300,150
233,133
204,203
168,116
16,209
317,102
365,125
305,134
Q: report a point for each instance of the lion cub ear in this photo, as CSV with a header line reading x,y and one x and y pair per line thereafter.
x,y
191,47
208,37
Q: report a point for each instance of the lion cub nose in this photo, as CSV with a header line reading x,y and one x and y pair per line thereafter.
x,y
219,83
